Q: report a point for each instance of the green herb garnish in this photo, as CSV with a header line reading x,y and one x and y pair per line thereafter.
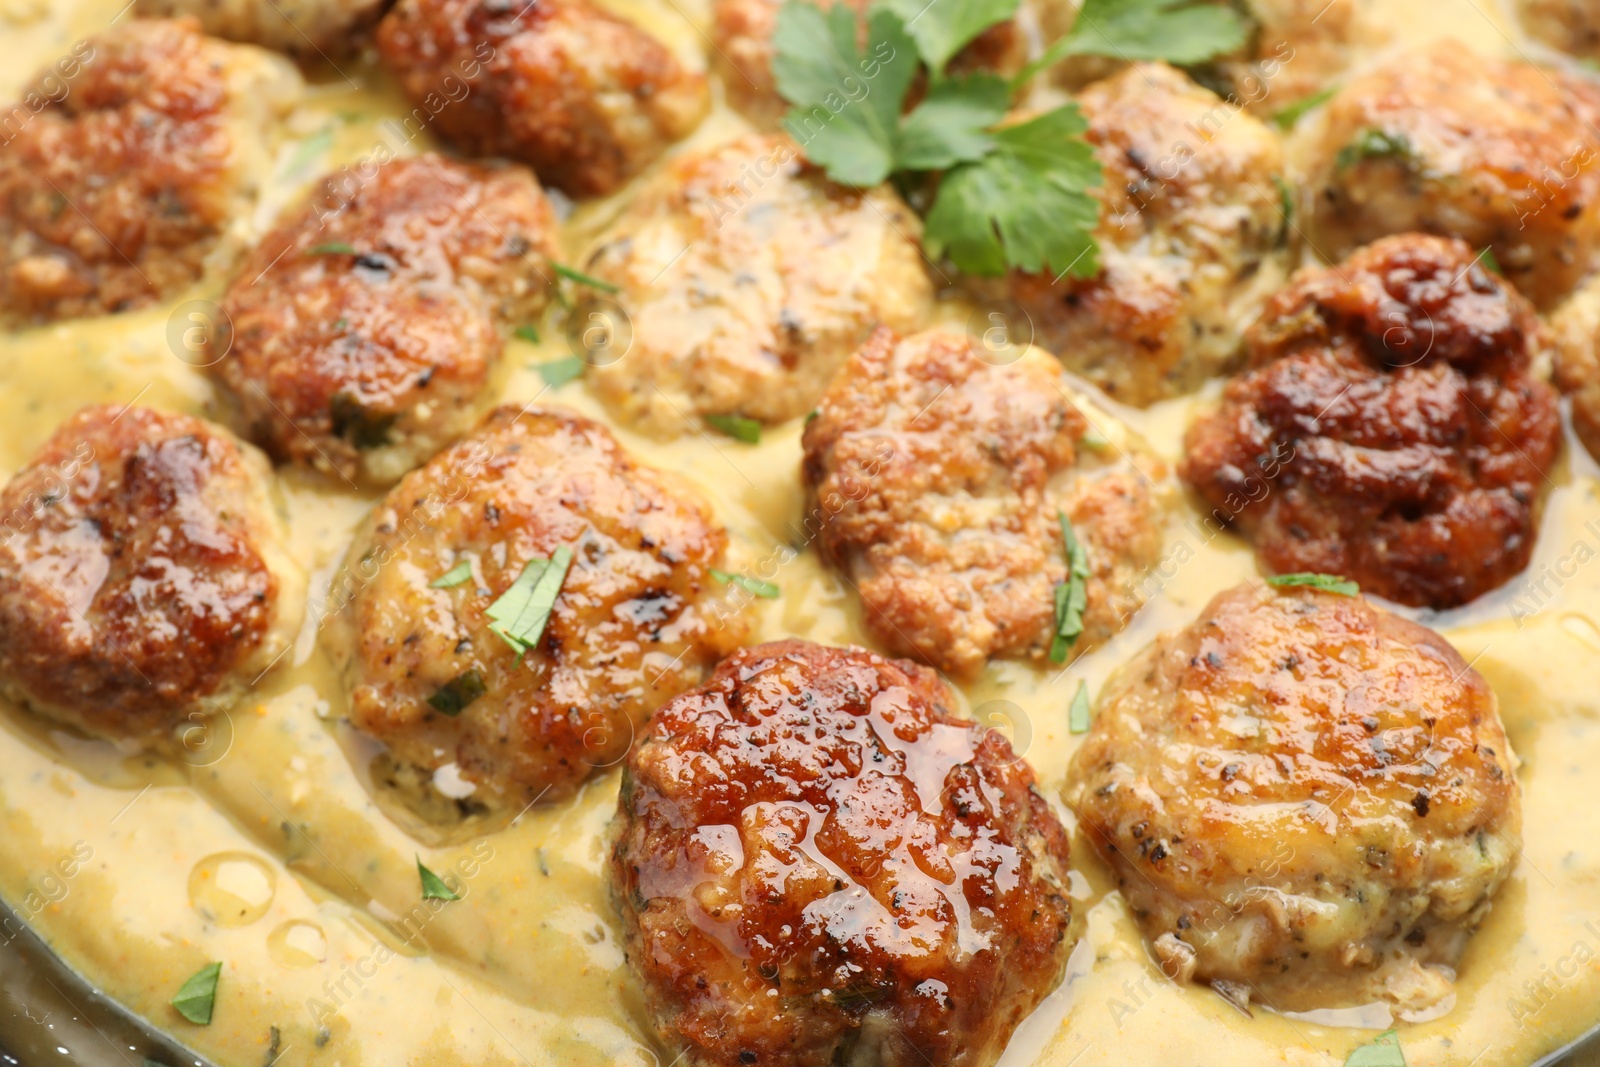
x,y
1078,714
332,248
360,425
1373,143
1011,195
521,612
528,333
1072,595
460,574
1328,583
754,586
1486,257
583,279
1292,114
737,427
559,372
433,887
1382,1051
197,997
454,696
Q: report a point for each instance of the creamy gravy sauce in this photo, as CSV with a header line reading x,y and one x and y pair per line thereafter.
x,y
272,855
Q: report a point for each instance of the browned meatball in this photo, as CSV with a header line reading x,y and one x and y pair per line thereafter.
x,y
748,278
143,575
1576,325
1304,797
816,864
1392,428
306,29
585,98
365,327
116,182
637,618
939,481
742,38
1446,141
1570,25
1191,238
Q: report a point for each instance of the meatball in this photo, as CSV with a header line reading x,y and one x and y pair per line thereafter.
x,y
742,36
365,327
434,669
118,178
1576,325
1306,799
1500,154
585,98
1573,26
144,579
305,29
749,278
816,863
1392,429
1191,234
939,482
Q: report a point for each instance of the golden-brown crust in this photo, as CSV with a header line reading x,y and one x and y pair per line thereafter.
x,y
748,279
742,38
937,479
1301,794
1576,326
1447,141
142,572
1191,224
364,363
585,98
814,861
1392,429
637,620
117,180
308,30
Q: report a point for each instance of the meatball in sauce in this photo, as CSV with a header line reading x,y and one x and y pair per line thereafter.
x,y
1307,800
144,578
817,863
1392,427
308,30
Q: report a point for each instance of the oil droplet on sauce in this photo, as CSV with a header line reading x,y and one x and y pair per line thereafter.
x,y
232,888
297,944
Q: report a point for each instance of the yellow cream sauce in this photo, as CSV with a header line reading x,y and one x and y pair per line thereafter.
x,y
268,851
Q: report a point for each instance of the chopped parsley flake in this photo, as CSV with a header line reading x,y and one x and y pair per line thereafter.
x,y
460,574
528,333
1382,1051
332,248
1328,583
737,427
520,613
1292,114
1374,144
1078,714
1072,595
755,586
454,696
433,887
581,278
1486,257
559,372
197,997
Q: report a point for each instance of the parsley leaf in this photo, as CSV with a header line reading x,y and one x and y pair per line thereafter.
x,y
941,28
1072,595
521,612
1078,715
1328,583
1182,32
737,427
1292,114
559,372
581,278
197,997
755,586
1372,143
454,696
1382,1051
847,101
460,574
433,887
951,125
1025,205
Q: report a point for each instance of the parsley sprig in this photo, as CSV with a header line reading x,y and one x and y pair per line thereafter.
x,y
1072,595
520,613
1009,194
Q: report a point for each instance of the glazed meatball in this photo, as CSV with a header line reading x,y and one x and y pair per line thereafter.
x,y
939,480
365,327
1500,154
585,98
636,619
1392,429
143,575
305,29
1571,25
816,863
742,37
1191,235
1306,800
748,279
117,180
